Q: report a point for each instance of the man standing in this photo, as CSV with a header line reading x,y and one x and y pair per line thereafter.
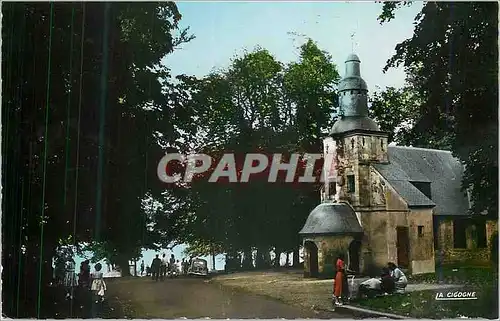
x,y
155,267
183,266
142,268
163,269
172,262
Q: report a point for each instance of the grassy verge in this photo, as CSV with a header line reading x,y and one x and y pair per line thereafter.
x,y
470,275
422,304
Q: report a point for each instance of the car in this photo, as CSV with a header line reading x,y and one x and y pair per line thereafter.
x,y
198,267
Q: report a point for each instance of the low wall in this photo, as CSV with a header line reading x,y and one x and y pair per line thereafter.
x,y
466,255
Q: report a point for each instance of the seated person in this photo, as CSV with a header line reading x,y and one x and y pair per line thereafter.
x,y
370,288
399,277
378,286
387,282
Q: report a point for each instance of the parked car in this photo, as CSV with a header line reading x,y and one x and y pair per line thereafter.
x,y
198,267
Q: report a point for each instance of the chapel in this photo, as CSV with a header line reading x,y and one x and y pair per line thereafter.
x,y
383,203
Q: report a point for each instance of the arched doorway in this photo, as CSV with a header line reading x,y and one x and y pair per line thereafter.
x,y
312,251
354,254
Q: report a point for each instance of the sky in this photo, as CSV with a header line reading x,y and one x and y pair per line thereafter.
x,y
225,29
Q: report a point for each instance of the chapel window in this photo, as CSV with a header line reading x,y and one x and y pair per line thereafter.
x,y
481,235
420,230
459,234
351,187
332,190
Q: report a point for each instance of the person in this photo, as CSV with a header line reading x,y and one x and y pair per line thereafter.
x,y
60,271
178,266
339,282
142,268
163,267
377,286
70,278
387,284
400,280
84,277
148,271
98,288
370,288
172,263
155,267
184,266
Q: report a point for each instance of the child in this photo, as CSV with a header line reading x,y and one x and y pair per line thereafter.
x,y
98,285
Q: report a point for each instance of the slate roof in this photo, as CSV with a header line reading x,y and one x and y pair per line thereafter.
x,y
439,168
332,219
350,123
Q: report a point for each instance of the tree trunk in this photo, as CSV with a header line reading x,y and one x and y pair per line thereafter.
x,y
287,262
259,259
296,257
264,257
123,263
277,258
213,261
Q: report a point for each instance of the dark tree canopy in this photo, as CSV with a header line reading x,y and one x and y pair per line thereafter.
x,y
77,136
452,66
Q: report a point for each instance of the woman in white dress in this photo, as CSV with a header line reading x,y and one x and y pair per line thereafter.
x,y
70,278
98,286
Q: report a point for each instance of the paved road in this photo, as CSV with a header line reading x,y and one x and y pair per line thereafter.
x,y
198,298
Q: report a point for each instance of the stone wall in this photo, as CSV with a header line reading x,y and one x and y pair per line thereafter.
x,y
328,248
381,210
469,254
422,259
374,252
360,151
380,228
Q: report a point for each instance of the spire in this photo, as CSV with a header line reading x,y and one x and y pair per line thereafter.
x,y
353,96
352,65
353,89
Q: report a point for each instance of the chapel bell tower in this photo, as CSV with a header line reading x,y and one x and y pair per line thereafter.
x,y
354,142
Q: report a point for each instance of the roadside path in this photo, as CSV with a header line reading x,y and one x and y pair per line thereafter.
x,y
197,298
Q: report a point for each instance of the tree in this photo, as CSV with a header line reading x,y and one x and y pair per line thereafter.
x,y
397,112
452,63
258,104
82,100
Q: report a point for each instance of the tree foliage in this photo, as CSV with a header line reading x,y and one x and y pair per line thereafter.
x,y
259,104
81,94
452,64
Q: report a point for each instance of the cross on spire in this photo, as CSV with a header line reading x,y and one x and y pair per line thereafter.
x,y
354,43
